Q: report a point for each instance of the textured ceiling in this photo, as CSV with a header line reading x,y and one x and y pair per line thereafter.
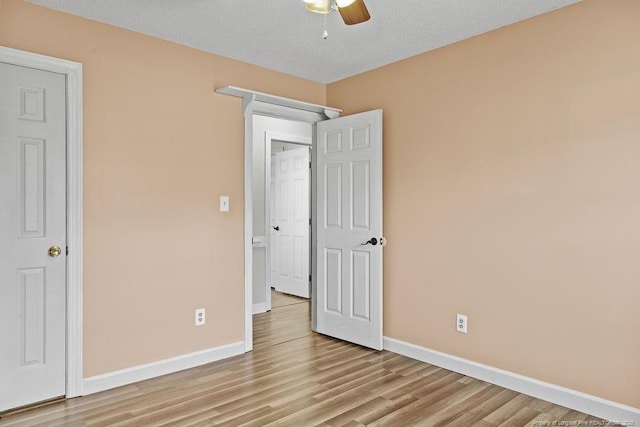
x,y
283,36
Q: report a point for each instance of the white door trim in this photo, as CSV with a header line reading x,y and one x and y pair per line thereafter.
x,y
277,106
283,108
270,136
73,73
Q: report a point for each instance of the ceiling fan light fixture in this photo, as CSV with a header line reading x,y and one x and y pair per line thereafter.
x,y
355,11
318,6
343,3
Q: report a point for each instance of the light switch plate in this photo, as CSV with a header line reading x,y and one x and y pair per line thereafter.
x,y
224,203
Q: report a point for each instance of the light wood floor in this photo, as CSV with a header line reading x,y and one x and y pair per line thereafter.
x,y
297,378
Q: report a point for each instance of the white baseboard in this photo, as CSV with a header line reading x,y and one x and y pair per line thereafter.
x,y
151,370
572,399
259,308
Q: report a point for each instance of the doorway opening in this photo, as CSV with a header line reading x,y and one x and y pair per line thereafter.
x,y
281,213
346,198
288,213
288,320
256,104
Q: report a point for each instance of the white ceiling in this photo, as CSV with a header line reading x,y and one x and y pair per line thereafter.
x,y
283,36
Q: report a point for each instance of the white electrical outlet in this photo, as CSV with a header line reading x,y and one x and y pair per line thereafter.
x,y
200,317
461,323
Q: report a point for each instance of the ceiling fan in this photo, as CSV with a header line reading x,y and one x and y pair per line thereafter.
x,y
352,11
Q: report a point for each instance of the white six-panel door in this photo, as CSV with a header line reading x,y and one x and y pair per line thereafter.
x,y
349,214
290,224
32,220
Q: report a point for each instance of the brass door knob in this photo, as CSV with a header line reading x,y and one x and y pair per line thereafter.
x,y
54,251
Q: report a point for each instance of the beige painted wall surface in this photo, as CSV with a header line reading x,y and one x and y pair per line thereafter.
x,y
160,147
512,195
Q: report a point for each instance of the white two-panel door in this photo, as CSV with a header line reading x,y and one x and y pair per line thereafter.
x,y
290,224
32,236
349,228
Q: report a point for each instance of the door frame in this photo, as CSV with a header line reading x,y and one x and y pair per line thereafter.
x,y
282,108
73,73
292,139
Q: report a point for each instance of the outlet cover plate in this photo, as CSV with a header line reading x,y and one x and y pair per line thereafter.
x,y
461,323
200,316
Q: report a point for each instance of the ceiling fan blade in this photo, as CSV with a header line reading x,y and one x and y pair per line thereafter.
x,y
355,13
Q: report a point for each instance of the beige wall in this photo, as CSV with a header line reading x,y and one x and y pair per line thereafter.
x,y
512,195
160,147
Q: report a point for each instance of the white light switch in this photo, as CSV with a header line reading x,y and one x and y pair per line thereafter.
x,y
224,203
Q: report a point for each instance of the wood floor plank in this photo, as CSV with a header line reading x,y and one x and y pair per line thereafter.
x,y
350,416
508,410
386,409
428,404
540,420
540,405
476,411
442,412
520,418
353,381
573,415
420,385
326,409
281,411
295,377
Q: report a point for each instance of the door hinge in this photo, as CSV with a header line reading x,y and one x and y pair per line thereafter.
x,y
67,250
309,221
309,278
309,165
